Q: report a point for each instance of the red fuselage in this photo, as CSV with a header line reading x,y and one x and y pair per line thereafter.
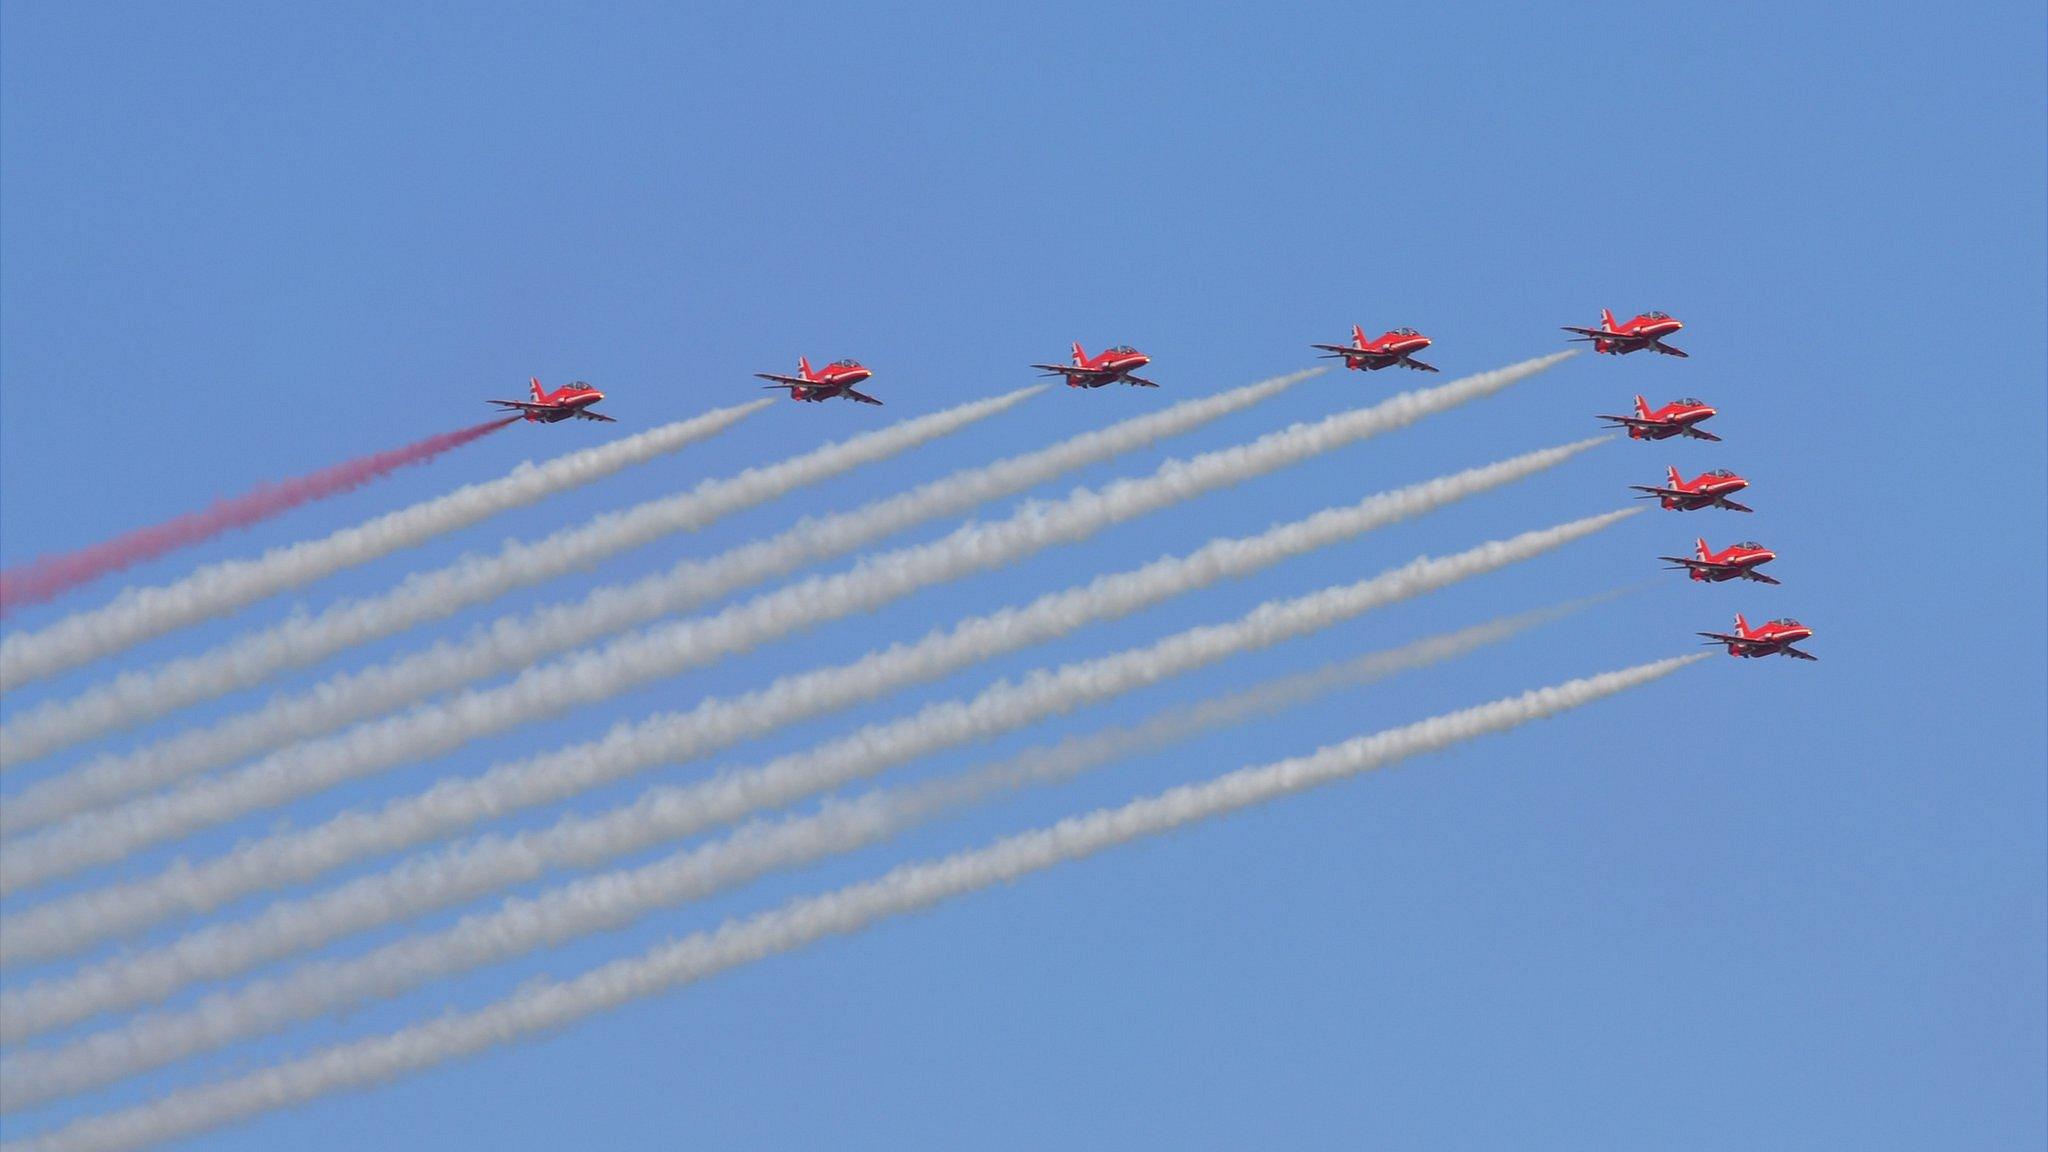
x,y
838,378
1674,419
1647,330
1109,366
563,403
571,401
1707,490
1775,638
1383,351
1730,563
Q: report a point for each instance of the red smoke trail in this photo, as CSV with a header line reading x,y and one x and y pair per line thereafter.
x,y
53,575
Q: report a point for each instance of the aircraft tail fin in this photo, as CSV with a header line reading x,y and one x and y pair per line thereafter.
x,y
1741,624
1607,320
1699,548
1671,474
534,384
1642,409
803,367
1357,336
1080,357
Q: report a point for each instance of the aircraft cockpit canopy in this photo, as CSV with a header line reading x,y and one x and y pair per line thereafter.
x,y
1404,332
1750,546
1656,316
1124,350
844,362
1692,402
1788,622
1721,472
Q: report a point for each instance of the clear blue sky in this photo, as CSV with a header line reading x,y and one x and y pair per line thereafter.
x,y
1757,904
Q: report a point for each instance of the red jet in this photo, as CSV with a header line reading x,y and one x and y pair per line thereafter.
x,y
837,379
1109,366
1645,331
1775,638
1707,490
570,401
1396,347
1735,562
1677,418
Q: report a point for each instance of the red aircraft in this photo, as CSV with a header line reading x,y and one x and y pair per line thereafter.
x,y
1735,562
1677,418
571,400
837,379
1645,331
1396,347
1108,366
1708,489
1775,638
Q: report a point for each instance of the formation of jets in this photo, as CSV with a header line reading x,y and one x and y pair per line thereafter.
x,y
1679,419
1710,489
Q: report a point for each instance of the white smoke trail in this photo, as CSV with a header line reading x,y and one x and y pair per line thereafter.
x,y
290,857
747,853
514,642
582,679
250,660
139,614
546,1006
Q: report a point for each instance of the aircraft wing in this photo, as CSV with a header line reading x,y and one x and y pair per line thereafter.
x,y
1596,333
523,405
1701,565
860,396
1796,654
587,414
1724,638
1140,382
1419,366
1670,493
1072,370
1753,574
1668,350
786,381
1732,506
1698,435
1341,349
1633,421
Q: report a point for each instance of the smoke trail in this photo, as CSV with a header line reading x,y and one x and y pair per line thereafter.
x,y
45,579
243,663
291,857
546,1006
493,863
140,614
581,679
515,642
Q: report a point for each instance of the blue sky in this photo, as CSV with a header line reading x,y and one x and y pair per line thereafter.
x,y
1758,903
